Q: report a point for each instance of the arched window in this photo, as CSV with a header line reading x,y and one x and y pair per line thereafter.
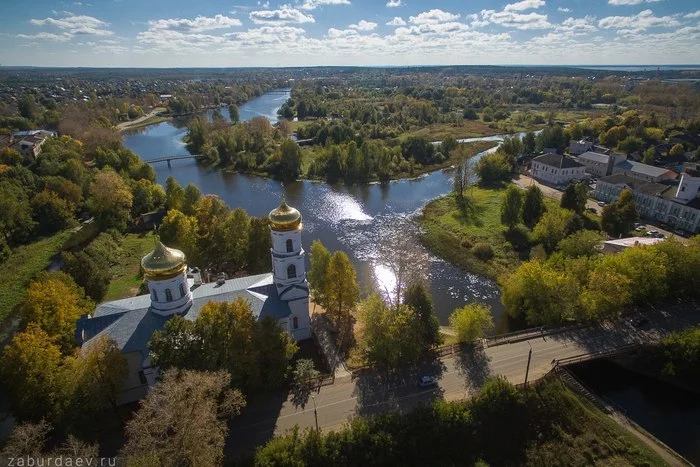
x,y
295,322
155,295
291,271
168,295
182,290
290,246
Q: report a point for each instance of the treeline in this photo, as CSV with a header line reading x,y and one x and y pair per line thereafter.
x,y
212,235
501,426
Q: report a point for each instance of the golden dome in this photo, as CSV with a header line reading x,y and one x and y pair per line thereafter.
x,y
284,218
163,262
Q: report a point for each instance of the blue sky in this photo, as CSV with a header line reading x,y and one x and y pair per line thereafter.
x,y
194,33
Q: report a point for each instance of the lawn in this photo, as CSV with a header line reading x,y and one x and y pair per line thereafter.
x,y
22,265
451,231
127,276
440,131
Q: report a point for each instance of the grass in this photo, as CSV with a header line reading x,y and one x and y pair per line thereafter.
x,y
23,264
440,131
451,231
149,121
127,277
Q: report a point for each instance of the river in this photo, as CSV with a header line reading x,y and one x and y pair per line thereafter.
x,y
351,218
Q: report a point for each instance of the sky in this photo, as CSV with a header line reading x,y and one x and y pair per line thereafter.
x,y
208,33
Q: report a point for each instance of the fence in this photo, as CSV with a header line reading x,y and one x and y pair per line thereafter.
x,y
525,334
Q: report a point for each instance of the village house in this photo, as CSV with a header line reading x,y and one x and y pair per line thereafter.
x,y
644,172
599,164
556,169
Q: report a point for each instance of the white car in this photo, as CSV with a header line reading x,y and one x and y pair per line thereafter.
x,y
601,203
426,381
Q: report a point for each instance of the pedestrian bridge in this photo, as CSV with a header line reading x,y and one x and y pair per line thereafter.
x,y
174,158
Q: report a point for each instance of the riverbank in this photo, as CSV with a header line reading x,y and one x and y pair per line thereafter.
x,y
464,235
151,118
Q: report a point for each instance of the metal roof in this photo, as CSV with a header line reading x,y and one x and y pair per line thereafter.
x,y
558,161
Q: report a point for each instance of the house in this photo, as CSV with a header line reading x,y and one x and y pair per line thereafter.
x,y
644,172
599,164
674,203
556,169
579,147
282,294
621,244
28,143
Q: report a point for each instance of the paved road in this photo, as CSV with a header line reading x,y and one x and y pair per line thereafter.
x,y
459,376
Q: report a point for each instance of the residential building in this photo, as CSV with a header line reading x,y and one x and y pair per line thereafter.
x,y
644,172
579,147
28,143
282,294
621,244
675,204
599,164
556,169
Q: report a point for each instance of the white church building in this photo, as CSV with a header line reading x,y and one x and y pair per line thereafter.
x,y
282,294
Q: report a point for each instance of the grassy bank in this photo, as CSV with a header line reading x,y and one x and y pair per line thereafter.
x,y
546,425
127,270
451,231
149,121
23,264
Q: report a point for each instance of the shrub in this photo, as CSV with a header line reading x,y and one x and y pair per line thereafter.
x,y
483,251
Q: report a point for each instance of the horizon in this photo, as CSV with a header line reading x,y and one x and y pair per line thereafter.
x,y
358,33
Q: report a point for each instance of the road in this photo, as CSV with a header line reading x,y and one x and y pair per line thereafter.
x,y
460,376
152,113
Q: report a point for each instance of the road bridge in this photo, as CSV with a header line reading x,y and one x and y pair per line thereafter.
x,y
174,158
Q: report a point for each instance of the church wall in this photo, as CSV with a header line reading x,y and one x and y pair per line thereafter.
x,y
132,388
178,303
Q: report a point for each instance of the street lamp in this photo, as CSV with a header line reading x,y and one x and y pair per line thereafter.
x,y
529,357
313,398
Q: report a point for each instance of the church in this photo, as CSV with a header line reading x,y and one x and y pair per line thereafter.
x,y
282,294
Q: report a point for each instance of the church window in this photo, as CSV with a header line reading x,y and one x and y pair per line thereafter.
x,y
182,290
155,295
295,322
168,295
290,246
291,271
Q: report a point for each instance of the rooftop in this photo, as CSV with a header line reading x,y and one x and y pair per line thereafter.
x,y
594,157
634,241
558,161
642,186
645,169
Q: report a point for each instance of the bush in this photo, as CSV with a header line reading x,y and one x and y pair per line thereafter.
x,y
483,251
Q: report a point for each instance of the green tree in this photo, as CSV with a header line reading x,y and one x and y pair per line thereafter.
x,y
471,322
16,222
494,168
618,218
87,273
183,420
319,259
606,294
180,231
259,245
552,227
646,268
51,213
511,206
174,194
648,157
233,113
110,200
30,369
575,197
341,293
677,150
581,243
529,144
417,298
533,206
630,144
191,197
290,157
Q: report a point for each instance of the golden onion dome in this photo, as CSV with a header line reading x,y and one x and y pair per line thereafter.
x,y
163,262
284,218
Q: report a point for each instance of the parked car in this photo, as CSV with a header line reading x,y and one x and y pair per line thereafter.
x,y
427,381
639,228
679,232
652,232
591,210
601,203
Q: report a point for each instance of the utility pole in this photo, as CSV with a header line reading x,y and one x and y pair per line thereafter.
x,y
315,412
529,357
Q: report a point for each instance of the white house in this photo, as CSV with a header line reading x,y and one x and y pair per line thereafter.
x,y
282,294
556,169
599,164
644,172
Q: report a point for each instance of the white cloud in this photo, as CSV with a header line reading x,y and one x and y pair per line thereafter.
x,y
199,24
630,2
433,16
363,26
564,10
637,23
695,14
46,36
577,26
397,21
510,19
76,25
393,3
284,15
334,33
267,35
313,4
524,5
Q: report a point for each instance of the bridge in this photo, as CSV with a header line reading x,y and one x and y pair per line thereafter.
x,y
174,158
461,372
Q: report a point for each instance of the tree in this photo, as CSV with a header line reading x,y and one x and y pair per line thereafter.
x,y
341,293
676,150
417,298
575,197
540,293
649,154
233,113
54,303
259,245
605,295
290,157
533,206
182,420
464,171
645,268
581,243
51,213
618,218
27,440
319,259
493,168
16,222
110,200
306,377
529,144
552,227
87,273
191,197
510,207
630,144
30,368
174,194
471,322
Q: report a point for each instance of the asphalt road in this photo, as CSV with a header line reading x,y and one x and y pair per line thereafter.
x,y
460,375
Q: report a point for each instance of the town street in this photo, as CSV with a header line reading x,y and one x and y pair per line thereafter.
x,y
460,375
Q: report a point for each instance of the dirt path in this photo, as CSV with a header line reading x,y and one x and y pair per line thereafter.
x,y
655,445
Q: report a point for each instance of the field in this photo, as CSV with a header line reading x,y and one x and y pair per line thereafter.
x,y
127,271
451,232
22,265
